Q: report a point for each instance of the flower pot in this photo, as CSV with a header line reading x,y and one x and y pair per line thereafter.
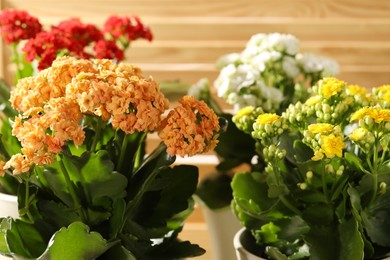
x,y
8,205
222,226
246,247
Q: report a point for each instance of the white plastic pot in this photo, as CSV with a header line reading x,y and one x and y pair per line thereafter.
x,y
244,245
8,205
222,226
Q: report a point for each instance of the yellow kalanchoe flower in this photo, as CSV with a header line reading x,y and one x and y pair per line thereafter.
x,y
313,100
356,90
358,134
378,114
267,118
244,112
322,128
332,145
331,86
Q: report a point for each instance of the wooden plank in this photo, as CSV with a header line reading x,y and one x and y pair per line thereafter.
x,y
359,52
368,76
305,30
168,8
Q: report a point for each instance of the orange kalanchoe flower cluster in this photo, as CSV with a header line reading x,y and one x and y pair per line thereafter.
x,y
53,104
182,136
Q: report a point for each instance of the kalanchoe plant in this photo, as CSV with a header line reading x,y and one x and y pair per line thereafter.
x,y
86,187
270,73
30,42
234,149
323,194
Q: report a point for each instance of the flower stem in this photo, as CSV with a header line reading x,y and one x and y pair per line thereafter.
x,y
290,206
375,166
122,154
16,59
72,192
27,199
138,156
96,138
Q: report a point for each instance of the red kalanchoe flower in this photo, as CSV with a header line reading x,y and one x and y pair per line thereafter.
x,y
80,32
106,49
130,28
16,25
46,45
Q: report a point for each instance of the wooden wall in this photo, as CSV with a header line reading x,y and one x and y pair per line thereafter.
x,y
191,34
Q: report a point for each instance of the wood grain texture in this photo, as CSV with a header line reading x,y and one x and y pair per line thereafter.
x,y
190,35
200,8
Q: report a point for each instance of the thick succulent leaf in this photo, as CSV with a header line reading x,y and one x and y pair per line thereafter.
x,y
75,242
24,239
250,194
351,241
175,188
92,176
215,191
376,220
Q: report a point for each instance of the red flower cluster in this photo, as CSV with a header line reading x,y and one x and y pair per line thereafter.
x,y
107,49
18,25
127,28
71,37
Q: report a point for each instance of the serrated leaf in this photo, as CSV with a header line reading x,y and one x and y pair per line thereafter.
x,y
25,239
250,194
351,242
75,242
376,219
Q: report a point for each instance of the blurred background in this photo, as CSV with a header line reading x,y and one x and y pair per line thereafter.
x,y
190,35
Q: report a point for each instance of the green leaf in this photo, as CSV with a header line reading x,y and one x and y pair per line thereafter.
x,y
174,250
234,147
159,206
5,105
75,242
9,144
300,151
354,162
5,224
93,177
318,214
94,171
250,193
322,242
117,252
25,239
376,219
215,190
351,242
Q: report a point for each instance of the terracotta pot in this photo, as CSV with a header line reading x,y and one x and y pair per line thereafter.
x,y
245,246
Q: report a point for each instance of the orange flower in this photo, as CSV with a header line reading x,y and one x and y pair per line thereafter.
x,y
190,129
2,163
19,163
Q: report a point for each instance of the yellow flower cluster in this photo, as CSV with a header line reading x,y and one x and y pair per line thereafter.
x,y
330,87
182,136
325,140
377,114
267,126
246,117
53,104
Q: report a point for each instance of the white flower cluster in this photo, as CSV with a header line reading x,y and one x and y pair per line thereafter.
x,y
267,69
